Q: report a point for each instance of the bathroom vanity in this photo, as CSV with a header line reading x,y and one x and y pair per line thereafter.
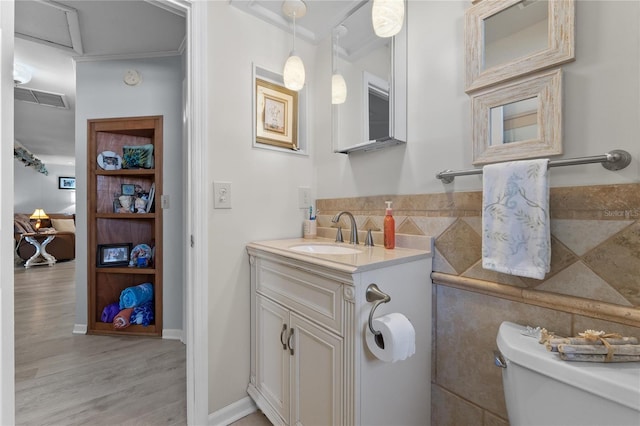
x,y
310,363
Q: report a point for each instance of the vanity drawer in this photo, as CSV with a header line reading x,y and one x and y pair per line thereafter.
x,y
308,294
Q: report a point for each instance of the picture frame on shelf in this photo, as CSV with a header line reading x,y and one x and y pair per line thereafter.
x,y
276,115
66,182
113,254
152,193
128,189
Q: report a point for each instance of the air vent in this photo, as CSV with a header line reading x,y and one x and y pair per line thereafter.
x,y
39,97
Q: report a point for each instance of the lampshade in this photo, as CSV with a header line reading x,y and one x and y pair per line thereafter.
x,y
293,74
338,89
38,214
21,74
387,17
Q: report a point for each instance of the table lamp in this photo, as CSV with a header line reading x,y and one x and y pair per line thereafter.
x,y
38,214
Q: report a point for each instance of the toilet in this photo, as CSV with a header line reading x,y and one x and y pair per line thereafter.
x,y
541,389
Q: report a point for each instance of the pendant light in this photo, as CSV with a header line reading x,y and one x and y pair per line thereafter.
x,y
387,17
338,85
293,73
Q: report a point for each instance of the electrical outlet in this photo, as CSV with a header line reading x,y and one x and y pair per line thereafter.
x,y
164,201
221,195
304,197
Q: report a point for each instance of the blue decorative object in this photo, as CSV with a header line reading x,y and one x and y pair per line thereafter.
x,y
136,296
143,314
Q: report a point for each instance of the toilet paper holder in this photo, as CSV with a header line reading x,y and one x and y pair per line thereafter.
x,y
374,294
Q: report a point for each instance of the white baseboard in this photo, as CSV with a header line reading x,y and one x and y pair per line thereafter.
x,y
79,329
172,334
232,412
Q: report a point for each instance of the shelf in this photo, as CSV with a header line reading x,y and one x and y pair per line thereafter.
x,y
132,330
106,227
371,145
126,270
126,172
125,216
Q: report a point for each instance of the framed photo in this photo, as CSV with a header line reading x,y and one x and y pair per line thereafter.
x,y
66,182
128,189
113,254
276,115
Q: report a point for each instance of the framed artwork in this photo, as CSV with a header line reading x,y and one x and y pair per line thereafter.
x,y
113,254
276,115
128,189
66,182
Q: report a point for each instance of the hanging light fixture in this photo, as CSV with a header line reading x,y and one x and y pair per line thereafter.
x,y
338,85
387,17
293,73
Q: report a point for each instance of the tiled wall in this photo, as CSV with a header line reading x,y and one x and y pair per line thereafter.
x,y
595,257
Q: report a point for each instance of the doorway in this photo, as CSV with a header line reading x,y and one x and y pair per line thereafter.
x,y
195,277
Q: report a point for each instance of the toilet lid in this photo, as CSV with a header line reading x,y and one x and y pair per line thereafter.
x,y
619,382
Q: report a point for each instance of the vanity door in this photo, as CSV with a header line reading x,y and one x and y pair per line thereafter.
x,y
272,355
316,374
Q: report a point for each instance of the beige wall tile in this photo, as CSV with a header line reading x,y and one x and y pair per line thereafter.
x,y
448,409
617,261
580,236
581,323
580,281
491,419
477,271
460,245
466,337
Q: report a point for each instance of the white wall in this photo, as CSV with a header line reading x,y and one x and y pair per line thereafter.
x,y
264,183
601,106
101,93
35,190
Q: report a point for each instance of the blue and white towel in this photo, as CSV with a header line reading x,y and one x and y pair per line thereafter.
x,y
134,296
516,237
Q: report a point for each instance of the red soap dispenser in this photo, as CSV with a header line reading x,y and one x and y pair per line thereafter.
x,y
389,228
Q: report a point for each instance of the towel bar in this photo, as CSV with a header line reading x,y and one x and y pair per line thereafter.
x,y
613,160
374,294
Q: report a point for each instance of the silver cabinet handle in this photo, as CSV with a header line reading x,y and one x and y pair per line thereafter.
x,y
284,344
290,340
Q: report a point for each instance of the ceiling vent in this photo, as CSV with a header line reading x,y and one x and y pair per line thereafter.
x,y
39,97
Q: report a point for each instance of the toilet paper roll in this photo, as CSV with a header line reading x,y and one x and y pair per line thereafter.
x,y
398,335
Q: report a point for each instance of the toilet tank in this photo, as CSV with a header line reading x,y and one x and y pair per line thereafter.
x,y
541,389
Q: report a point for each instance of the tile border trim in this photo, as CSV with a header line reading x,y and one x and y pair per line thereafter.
x,y
570,304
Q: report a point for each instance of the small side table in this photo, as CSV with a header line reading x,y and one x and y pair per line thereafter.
x,y
39,241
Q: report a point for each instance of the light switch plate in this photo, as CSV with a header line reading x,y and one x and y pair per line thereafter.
x,y
221,195
304,197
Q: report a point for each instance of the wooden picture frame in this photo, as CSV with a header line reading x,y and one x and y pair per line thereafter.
x,y
66,182
113,254
276,115
546,88
560,43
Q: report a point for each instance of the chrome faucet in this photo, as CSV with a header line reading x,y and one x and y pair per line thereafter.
x,y
354,228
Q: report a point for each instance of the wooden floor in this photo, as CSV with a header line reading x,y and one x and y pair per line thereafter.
x,y
67,379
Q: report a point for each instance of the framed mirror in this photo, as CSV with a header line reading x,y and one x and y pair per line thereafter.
x,y
517,120
374,69
505,39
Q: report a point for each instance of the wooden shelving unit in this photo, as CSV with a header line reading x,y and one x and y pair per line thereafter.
x,y
105,226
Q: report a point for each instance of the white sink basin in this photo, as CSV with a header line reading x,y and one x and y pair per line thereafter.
x,y
324,249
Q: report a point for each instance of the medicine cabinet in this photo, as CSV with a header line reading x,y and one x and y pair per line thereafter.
x,y
374,114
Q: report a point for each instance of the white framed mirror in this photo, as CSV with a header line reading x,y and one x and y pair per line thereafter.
x,y
505,39
517,120
374,114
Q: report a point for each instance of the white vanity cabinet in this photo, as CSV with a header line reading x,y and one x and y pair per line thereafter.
x,y
309,361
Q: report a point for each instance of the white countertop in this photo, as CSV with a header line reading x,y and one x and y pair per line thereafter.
x,y
367,259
